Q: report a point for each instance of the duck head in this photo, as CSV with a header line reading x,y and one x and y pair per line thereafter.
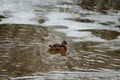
x,y
64,43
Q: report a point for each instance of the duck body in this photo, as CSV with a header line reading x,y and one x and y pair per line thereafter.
x,y
58,48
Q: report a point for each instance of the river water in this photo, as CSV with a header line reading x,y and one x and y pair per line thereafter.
x,y
27,27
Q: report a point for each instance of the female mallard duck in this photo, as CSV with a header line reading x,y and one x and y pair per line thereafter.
x,y
58,48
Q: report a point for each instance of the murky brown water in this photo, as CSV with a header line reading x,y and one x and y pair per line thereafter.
x,y
19,49
24,48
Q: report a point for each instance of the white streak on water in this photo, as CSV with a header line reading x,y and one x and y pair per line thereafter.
x,y
61,75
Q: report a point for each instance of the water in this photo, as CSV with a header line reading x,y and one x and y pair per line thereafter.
x,y
30,26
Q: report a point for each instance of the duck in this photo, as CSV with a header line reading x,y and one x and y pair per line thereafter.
x,y
58,48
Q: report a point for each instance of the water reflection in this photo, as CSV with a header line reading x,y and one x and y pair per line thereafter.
x,y
19,49
97,57
24,48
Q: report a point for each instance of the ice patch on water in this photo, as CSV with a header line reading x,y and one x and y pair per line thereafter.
x,y
111,16
103,18
59,19
18,12
60,15
81,36
21,18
